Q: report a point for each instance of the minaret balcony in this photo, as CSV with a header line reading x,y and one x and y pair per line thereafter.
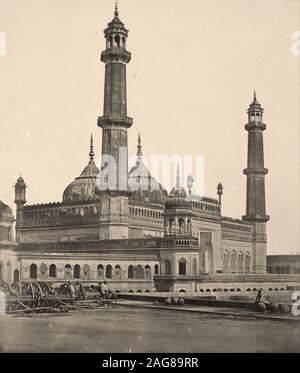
x,y
113,120
115,54
256,218
253,125
255,171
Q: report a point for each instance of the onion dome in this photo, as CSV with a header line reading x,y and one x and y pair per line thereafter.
x,y
178,197
82,189
5,212
144,188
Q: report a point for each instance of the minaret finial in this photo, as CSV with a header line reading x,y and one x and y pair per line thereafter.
x,y
116,9
92,154
139,148
178,178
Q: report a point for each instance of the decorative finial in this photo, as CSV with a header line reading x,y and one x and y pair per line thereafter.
x,y
92,154
139,148
116,9
254,95
178,178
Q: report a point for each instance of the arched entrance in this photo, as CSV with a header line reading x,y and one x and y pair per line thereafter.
x,y
43,272
52,271
131,272
68,272
16,275
108,271
147,272
182,266
77,271
86,272
117,272
140,272
33,271
100,272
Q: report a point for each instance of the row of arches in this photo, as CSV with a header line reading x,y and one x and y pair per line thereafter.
x,y
145,213
205,206
84,273
178,226
8,274
47,213
116,41
234,262
182,267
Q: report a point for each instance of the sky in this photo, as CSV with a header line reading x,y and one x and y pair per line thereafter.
x,y
194,67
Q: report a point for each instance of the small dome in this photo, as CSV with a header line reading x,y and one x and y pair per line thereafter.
x,y
82,189
178,196
144,187
5,211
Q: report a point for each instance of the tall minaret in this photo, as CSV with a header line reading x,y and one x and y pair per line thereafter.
x,y
113,180
115,122
255,172
20,200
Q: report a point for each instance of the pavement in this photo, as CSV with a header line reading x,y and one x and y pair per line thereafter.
x,y
224,311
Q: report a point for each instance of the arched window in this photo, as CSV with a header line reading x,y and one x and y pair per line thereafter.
x,y
226,262
77,271
9,272
117,40
131,271
1,272
100,271
181,224
33,271
167,267
86,272
16,275
233,262
117,272
248,263
156,269
147,272
194,266
140,272
108,271
241,263
189,227
68,272
52,270
43,272
182,266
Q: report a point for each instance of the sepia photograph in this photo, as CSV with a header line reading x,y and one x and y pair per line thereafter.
x,y
149,178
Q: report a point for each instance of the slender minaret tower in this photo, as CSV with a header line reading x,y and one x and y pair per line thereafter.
x,y
20,200
113,180
115,122
255,172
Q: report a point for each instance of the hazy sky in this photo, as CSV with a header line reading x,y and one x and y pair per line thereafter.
x,y
194,67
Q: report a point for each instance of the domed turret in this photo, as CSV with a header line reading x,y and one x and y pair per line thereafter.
x,y
177,197
82,189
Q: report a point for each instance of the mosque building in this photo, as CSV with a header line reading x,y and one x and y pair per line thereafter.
x,y
140,239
